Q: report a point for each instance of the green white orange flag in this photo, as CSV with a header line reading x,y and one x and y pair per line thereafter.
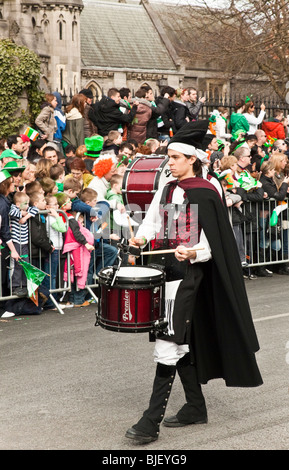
x,y
34,278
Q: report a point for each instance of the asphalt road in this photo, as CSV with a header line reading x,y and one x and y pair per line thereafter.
x,y
68,385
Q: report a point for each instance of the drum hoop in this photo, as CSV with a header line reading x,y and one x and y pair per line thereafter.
x,y
134,328
130,282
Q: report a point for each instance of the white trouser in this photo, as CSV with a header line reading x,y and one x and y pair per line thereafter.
x,y
168,353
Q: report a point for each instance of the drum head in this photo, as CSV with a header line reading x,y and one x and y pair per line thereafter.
x,y
133,274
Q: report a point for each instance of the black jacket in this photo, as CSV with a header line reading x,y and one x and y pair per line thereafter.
x,y
107,117
271,189
157,111
39,237
180,114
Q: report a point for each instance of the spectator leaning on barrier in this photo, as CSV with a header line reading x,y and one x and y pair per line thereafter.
x,y
279,194
19,213
8,250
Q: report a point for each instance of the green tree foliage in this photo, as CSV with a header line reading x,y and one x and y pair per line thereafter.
x,y
19,74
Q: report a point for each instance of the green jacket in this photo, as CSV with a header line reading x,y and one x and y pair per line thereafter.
x,y
238,123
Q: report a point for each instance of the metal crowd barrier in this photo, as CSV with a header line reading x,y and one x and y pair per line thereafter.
x,y
265,244
40,265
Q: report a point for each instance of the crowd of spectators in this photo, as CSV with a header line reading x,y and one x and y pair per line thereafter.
x,y
75,163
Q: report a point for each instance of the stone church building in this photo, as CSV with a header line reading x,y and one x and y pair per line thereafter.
x,y
107,43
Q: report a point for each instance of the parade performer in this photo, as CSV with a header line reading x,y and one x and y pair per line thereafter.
x,y
210,331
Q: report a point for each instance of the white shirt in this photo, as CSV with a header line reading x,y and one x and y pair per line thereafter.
x,y
152,223
220,128
101,185
254,121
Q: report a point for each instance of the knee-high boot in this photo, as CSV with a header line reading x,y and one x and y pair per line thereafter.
x,y
194,410
147,428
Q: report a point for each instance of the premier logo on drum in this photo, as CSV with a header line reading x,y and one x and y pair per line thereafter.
x,y
127,316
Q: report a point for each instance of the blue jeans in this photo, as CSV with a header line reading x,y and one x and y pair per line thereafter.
x,y
264,237
51,267
104,255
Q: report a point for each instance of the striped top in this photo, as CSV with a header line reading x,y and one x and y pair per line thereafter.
x,y
20,232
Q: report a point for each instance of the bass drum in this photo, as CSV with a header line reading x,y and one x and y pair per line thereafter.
x,y
142,178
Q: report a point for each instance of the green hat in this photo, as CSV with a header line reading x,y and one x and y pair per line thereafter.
x,y
4,175
8,153
248,98
93,145
13,166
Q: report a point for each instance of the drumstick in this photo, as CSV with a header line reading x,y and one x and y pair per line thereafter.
x,y
130,227
160,252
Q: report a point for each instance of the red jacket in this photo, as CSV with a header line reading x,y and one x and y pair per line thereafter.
x,y
274,129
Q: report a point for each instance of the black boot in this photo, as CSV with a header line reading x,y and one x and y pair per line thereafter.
x,y
194,411
147,428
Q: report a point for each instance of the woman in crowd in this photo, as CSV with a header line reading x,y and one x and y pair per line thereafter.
x,y
36,150
43,168
79,171
238,122
6,187
28,174
253,121
46,121
74,131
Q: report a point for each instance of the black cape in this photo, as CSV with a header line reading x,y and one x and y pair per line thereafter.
x,y
212,311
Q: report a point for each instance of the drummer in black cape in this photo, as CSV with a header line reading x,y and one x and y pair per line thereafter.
x,y
210,331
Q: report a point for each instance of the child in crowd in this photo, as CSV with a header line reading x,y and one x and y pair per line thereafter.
x,y
49,186
33,187
41,245
113,141
19,214
228,168
55,227
79,243
104,254
123,162
115,192
57,174
72,187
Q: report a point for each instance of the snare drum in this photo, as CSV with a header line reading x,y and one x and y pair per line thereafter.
x,y
142,178
135,302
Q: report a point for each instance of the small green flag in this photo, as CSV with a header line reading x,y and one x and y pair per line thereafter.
x,y
34,278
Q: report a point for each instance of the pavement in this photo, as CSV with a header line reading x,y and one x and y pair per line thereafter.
x,y
67,384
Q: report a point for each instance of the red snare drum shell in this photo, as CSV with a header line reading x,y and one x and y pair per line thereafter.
x,y
132,304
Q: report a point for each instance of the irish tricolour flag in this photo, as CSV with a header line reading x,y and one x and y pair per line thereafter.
x,y
31,133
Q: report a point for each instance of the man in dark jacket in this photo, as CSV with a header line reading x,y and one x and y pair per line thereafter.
x,y
167,117
106,114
